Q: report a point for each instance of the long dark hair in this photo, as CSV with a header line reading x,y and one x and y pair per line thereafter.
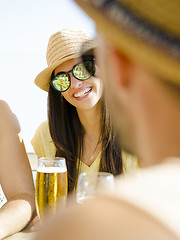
x,y
67,134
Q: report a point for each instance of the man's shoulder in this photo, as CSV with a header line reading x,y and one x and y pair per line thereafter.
x,y
107,217
155,191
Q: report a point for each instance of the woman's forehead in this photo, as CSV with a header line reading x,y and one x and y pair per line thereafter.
x,y
67,66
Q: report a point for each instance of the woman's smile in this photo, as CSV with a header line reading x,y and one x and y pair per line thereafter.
x,y
82,93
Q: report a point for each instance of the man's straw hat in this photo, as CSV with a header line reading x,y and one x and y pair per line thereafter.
x,y
63,45
146,31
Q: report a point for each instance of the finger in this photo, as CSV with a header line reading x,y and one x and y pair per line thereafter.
x,y
36,227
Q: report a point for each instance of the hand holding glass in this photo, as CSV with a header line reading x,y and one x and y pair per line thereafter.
x,y
89,184
51,185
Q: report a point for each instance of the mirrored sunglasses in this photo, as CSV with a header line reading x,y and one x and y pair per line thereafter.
x,y
81,71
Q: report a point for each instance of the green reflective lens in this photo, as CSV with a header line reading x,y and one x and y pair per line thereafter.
x,y
61,82
83,71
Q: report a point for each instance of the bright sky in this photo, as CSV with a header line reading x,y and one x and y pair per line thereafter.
x,y
24,33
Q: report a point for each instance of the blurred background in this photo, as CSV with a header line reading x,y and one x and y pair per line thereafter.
x,y
25,28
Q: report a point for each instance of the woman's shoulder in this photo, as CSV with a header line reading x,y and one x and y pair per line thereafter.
x,y
42,141
43,129
44,125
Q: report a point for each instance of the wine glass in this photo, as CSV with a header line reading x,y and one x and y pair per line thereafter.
x,y
89,184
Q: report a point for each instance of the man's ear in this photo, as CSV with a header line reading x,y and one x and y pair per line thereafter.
x,y
121,67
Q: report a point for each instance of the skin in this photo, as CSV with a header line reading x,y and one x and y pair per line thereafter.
x,y
15,176
146,115
95,219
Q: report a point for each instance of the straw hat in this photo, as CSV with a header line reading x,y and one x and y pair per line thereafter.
x,y
148,32
62,46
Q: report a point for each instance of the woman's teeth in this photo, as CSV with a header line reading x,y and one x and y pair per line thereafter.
x,y
82,93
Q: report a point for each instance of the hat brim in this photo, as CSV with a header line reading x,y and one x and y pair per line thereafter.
x,y
154,59
43,78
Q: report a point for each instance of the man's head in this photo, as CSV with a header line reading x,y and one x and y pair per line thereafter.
x,y
139,56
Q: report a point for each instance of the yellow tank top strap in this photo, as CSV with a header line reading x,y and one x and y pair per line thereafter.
x,y
130,162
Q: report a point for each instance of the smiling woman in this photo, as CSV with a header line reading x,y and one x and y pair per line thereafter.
x,y
79,127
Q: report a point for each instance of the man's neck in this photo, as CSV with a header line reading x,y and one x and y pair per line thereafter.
x,y
160,130
156,113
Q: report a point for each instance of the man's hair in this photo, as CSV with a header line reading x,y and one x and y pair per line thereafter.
x,y
171,87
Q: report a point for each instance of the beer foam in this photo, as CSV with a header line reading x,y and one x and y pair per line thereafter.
x,y
51,169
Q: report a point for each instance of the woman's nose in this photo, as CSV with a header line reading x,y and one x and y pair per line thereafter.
x,y
75,83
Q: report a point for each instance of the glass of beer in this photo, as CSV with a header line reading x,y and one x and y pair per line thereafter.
x,y
51,185
89,184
